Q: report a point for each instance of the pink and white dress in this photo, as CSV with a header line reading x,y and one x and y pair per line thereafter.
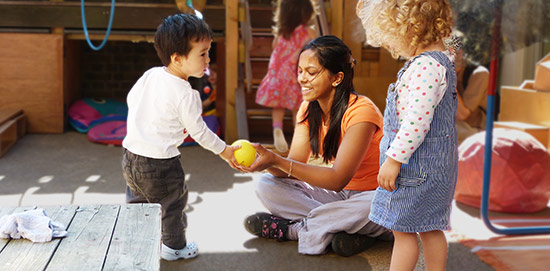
x,y
280,88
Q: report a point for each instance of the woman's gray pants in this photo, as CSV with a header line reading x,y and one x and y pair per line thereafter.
x,y
322,212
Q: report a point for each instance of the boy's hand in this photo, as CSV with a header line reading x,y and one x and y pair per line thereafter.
x,y
227,155
388,174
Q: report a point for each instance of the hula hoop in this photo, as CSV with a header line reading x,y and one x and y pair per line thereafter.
x,y
85,28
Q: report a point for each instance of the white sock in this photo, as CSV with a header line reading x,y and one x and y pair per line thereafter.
x,y
293,229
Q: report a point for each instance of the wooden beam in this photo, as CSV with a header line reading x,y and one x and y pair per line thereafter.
x,y
231,67
67,15
144,16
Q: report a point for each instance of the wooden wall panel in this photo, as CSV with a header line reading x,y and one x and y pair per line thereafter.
x,y
31,76
375,88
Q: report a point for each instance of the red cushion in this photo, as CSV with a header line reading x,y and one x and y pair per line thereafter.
x,y
520,175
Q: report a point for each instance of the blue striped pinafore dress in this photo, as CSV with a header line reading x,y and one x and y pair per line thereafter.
x,y
425,186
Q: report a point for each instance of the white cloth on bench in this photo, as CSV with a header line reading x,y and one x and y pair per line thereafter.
x,y
34,225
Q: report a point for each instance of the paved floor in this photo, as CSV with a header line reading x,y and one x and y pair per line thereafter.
x,y
68,169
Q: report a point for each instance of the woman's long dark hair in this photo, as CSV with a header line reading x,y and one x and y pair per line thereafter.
x,y
334,56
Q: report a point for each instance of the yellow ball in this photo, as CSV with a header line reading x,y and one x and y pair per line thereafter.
x,y
246,155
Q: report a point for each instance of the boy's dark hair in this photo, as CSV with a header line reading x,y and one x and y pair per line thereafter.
x,y
175,34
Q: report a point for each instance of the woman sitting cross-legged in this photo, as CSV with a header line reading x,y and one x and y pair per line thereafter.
x,y
323,206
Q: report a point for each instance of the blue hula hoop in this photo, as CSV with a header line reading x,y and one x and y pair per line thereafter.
x,y
85,28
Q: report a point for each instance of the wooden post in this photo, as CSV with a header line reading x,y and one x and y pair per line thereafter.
x,y
231,67
352,33
57,30
337,25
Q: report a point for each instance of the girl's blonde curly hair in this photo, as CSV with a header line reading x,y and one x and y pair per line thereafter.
x,y
401,26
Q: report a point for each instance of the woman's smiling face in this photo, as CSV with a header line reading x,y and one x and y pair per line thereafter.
x,y
315,80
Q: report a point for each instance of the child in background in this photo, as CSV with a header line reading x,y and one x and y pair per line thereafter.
x,y
472,85
163,111
208,94
418,153
206,86
280,89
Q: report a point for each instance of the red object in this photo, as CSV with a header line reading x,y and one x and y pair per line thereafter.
x,y
520,179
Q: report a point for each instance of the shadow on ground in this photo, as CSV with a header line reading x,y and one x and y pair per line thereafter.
x,y
270,255
66,168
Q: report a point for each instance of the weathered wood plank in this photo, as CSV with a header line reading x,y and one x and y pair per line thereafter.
x,y
68,15
22,254
136,239
88,239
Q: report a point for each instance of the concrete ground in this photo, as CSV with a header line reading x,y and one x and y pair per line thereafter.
x,y
68,169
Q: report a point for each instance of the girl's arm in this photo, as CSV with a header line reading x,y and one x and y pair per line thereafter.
x,y
462,112
476,90
421,94
388,174
418,98
353,148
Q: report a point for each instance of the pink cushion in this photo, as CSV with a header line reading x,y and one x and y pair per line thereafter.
x,y
520,175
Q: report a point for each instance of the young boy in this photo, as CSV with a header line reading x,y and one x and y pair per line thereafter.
x,y
163,111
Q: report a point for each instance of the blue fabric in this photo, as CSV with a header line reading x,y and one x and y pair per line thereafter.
x,y
425,186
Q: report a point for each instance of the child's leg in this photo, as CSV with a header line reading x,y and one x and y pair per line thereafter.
x,y
434,244
159,181
133,194
405,251
174,219
278,114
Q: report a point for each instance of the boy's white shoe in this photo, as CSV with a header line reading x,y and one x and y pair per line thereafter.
x,y
188,252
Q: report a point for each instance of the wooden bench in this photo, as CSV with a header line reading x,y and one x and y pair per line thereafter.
x,y
13,126
100,237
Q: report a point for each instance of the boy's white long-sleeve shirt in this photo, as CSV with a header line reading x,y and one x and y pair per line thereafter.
x,y
163,110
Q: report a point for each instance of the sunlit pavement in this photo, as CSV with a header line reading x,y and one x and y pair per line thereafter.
x,y
68,169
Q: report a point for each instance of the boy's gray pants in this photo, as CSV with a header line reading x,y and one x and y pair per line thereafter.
x,y
323,212
161,181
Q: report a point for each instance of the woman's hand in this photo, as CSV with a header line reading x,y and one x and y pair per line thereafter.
x,y
229,157
388,174
264,159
